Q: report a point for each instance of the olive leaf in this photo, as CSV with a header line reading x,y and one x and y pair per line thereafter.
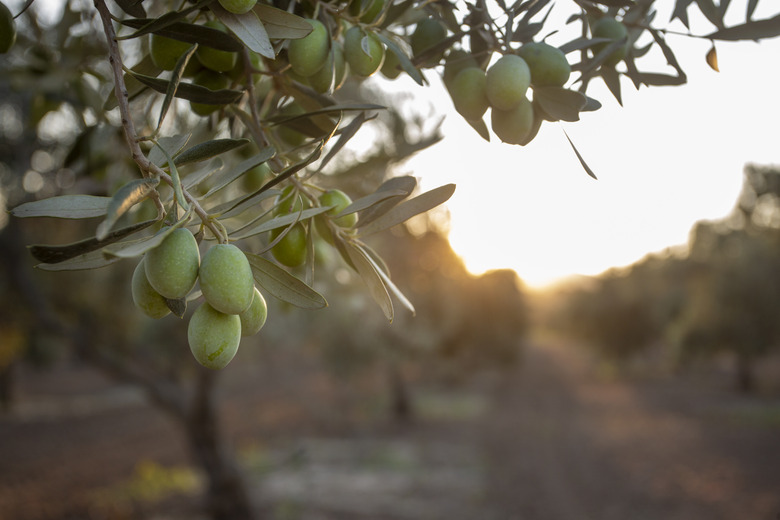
x,y
404,185
178,69
172,144
408,209
579,157
278,222
248,28
284,286
190,91
208,149
164,21
64,206
370,200
280,24
51,254
125,198
403,59
92,260
192,33
241,168
560,103
369,273
133,86
132,7
135,248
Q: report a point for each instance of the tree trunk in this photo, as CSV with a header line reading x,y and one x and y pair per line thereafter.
x,y
745,379
226,494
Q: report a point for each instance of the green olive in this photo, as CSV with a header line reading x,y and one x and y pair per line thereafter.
x,y
213,81
339,200
165,52
308,55
428,33
149,301
467,90
333,74
291,249
172,266
7,29
213,336
548,64
215,59
253,319
362,63
255,178
515,125
507,81
226,279
610,28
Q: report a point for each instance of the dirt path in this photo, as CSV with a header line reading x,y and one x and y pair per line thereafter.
x,y
565,445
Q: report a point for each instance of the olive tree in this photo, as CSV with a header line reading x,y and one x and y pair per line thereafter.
x,y
224,120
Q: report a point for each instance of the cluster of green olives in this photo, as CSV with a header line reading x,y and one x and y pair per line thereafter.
x,y
503,87
233,306
290,247
211,68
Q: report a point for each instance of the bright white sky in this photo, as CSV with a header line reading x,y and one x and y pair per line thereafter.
x,y
669,157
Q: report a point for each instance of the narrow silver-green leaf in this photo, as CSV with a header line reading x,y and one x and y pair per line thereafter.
x,y
408,209
370,200
64,206
239,169
174,83
278,222
51,254
125,198
284,286
191,33
403,59
175,181
405,184
248,28
579,157
371,277
93,260
190,91
208,149
382,271
280,24
135,248
173,145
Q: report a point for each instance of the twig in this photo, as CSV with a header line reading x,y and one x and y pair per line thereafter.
x,y
148,168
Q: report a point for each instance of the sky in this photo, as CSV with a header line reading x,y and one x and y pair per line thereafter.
x,y
670,156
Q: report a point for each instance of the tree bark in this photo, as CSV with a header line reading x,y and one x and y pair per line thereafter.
x,y
226,494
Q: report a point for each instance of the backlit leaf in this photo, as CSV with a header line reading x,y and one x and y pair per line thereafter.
x,y
579,157
404,185
248,28
560,103
280,24
712,59
403,59
125,198
754,30
64,206
208,149
284,286
408,209
370,276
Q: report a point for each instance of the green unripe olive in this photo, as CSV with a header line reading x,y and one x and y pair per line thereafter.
x,y
291,249
391,67
255,178
610,28
428,33
286,133
165,52
213,81
237,6
548,64
253,319
289,201
333,74
339,200
7,29
457,60
515,125
359,62
213,336
149,301
367,10
507,81
226,279
172,267
215,59
468,93
307,55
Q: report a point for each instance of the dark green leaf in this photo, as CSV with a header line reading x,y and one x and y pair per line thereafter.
x,y
403,185
190,91
481,128
92,260
132,7
178,306
579,157
660,80
192,33
751,8
406,63
135,248
125,198
165,21
64,206
56,254
284,286
346,133
612,80
238,170
408,209
207,150
174,83
681,12
711,12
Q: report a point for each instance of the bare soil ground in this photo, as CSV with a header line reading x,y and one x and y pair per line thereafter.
x,y
548,440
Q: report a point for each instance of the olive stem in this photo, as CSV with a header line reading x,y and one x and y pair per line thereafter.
x,y
147,167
